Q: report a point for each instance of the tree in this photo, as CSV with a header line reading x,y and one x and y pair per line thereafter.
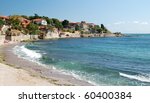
x,y
77,27
15,23
96,29
36,16
1,22
99,30
102,26
57,23
104,29
33,29
49,21
24,16
65,23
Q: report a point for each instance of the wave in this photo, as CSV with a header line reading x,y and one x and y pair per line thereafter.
x,y
22,51
136,77
34,56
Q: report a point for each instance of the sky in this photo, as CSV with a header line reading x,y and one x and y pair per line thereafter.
x,y
126,16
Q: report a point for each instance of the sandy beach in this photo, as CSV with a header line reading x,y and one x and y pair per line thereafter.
x,y
10,76
15,71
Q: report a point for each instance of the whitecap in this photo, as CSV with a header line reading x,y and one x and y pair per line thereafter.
x,y
22,51
136,77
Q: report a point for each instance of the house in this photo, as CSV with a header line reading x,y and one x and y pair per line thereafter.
x,y
25,22
72,25
4,17
40,21
84,26
22,20
91,24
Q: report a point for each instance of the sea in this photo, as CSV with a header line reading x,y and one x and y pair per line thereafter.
x,y
114,61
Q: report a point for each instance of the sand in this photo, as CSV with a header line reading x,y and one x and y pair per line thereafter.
x,y
10,76
16,71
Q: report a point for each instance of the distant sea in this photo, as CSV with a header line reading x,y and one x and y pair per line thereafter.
x,y
112,61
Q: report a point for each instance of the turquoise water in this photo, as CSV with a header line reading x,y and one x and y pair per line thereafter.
x,y
101,61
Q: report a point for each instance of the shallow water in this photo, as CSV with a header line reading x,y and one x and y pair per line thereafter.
x,y
101,61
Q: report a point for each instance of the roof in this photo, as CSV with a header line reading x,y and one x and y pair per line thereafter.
x,y
37,20
74,23
4,17
25,21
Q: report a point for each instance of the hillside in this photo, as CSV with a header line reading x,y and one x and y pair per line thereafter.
x,y
51,27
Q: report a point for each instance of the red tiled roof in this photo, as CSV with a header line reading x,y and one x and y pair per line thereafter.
x,y
37,20
4,17
25,22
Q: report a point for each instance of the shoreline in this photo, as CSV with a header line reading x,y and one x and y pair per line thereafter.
x,y
48,75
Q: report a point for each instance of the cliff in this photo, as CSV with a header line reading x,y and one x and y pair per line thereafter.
x,y
46,28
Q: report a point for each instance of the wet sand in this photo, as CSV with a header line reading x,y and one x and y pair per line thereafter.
x,y
48,75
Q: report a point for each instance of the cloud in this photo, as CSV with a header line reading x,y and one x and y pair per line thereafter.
x,y
120,22
144,23
136,22
131,26
131,22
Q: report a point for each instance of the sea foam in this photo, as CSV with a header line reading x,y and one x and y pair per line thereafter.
x,y
22,51
136,77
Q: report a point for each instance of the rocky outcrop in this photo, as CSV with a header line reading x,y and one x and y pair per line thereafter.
x,y
102,35
4,29
51,35
69,35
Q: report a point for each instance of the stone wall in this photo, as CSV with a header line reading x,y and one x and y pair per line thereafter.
x,y
23,37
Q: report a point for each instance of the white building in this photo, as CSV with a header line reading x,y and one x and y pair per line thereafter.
x,y
40,21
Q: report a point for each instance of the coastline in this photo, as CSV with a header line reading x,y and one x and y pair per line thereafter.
x,y
16,69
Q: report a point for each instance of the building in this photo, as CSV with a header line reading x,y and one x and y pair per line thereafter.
x,y
40,21
91,24
4,17
84,26
72,25
25,22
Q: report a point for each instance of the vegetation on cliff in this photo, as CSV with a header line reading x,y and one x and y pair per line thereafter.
x,y
41,24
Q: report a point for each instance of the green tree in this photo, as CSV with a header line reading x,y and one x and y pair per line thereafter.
x,y
33,30
65,23
15,23
36,16
104,29
49,21
57,23
1,22
98,29
24,16
95,29
77,28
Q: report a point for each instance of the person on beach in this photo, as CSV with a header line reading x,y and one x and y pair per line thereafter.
x,y
8,36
